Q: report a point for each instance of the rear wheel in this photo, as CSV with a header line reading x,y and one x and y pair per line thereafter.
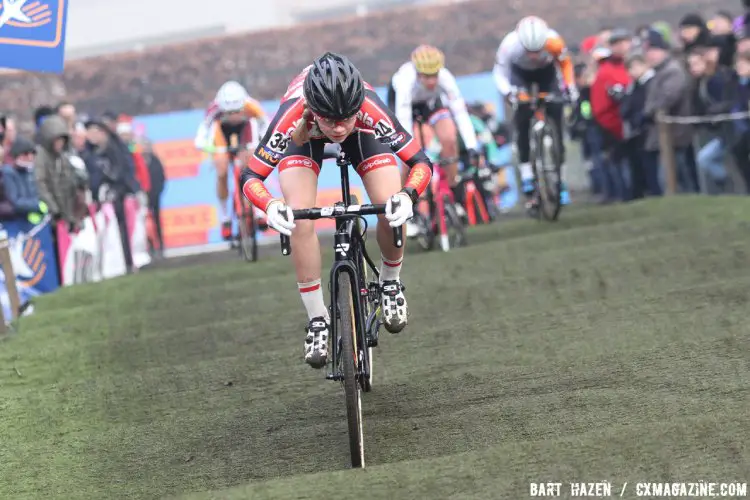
x,y
248,244
348,358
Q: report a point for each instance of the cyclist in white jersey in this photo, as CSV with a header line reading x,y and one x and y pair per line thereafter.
x,y
424,90
534,53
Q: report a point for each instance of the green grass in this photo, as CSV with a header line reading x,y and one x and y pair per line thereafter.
x,y
612,345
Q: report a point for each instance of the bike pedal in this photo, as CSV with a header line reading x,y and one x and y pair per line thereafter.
x,y
373,292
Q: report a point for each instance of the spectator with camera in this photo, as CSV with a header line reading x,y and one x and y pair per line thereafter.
x,y
18,178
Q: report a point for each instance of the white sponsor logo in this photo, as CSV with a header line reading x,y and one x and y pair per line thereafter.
x,y
299,162
375,162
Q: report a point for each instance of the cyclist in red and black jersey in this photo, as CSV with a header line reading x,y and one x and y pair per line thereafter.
x,y
329,102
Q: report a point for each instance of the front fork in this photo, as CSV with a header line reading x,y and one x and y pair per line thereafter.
x,y
364,337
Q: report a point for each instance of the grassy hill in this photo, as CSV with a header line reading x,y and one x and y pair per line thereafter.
x,y
612,345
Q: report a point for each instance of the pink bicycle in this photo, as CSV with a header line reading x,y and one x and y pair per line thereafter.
x,y
436,215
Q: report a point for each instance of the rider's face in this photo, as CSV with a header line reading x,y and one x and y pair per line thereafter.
x,y
336,130
428,81
534,56
234,117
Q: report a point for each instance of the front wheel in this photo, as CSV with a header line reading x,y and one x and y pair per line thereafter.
x,y
455,235
549,183
349,361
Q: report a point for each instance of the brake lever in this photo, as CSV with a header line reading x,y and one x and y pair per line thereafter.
x,y
398,232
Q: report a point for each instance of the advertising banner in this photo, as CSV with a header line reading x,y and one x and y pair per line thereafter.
x,y
32,34
32,254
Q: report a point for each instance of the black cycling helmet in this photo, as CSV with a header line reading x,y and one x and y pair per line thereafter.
x,y
333,87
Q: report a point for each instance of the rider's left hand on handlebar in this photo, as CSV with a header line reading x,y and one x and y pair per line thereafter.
x,y
398,209
280,217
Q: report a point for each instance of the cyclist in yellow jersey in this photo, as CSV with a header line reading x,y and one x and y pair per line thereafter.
x,y
233,124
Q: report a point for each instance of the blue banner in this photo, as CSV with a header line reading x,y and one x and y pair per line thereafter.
x,y
32,34
32,253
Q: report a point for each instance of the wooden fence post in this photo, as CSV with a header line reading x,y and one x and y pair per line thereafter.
x,y
10,280
666,153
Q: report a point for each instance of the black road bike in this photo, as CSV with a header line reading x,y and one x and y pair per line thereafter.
x,y
545,152
247,239
355,302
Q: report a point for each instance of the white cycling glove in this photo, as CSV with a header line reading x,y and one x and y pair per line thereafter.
x,y
398,209
280,217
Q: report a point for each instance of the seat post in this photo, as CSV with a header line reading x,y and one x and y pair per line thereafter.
x,y
343,163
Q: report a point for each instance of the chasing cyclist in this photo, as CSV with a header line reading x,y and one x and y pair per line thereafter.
x,y
330,103
232,125
534,53
424,91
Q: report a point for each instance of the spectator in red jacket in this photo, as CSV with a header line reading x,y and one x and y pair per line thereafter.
x,y
610,83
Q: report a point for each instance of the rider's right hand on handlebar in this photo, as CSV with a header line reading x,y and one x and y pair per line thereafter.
x,y
280,217
398,209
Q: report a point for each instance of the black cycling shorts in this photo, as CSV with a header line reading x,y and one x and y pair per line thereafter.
x,y
546,78
363,149
237,135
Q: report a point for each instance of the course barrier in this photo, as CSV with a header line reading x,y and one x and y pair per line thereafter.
x,y
33,264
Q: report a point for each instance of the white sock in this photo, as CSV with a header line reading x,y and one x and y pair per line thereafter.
x,y
223,212
312,298
390,269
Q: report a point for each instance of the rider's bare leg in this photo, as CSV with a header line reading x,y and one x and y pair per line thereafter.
x,y
299,186
447,134
381,184
221,162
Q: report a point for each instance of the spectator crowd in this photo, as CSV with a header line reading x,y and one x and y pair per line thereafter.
x,y
71,163
699,79
187,75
